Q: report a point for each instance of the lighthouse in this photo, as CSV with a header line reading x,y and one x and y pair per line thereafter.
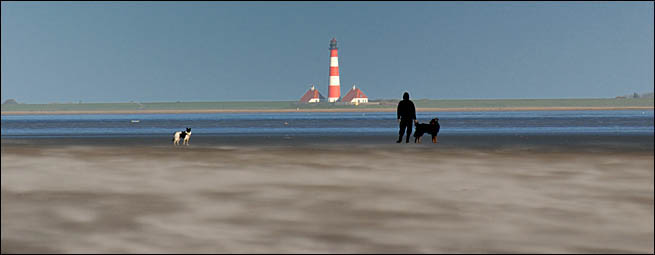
x,y
334,88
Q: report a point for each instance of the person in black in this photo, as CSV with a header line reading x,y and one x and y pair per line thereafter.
x,y
406,116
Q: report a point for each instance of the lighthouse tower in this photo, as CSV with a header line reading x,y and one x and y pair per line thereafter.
x,y
334,89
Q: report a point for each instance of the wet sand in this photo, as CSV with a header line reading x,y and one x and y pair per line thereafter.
x,y
478,194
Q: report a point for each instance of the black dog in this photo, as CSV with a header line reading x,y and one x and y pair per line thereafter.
x,y
432,128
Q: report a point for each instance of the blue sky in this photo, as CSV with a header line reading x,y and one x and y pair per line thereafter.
x,y
243,51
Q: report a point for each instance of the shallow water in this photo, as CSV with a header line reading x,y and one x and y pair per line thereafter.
x,y
329,124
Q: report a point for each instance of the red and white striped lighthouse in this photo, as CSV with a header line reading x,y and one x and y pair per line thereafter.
x,y
334,88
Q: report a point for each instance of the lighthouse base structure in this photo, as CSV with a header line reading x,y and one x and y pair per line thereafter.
x,y
335,92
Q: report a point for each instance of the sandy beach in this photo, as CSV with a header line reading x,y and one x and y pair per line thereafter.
x,y
280,195
391,109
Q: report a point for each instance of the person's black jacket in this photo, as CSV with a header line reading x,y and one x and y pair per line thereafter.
x,y
406,109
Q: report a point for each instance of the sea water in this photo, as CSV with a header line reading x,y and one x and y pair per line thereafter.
x,y
614,122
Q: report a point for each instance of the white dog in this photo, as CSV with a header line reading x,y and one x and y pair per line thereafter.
x,y
185,135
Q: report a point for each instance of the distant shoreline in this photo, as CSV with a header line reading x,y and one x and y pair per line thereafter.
x,y
431,109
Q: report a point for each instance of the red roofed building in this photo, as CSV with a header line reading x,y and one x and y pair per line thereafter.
x,y
312,96
355,96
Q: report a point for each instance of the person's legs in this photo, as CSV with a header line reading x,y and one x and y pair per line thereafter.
x,y
402,130
409,131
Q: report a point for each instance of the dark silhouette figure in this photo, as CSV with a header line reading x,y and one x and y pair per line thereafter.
x,y
432,129
406,113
